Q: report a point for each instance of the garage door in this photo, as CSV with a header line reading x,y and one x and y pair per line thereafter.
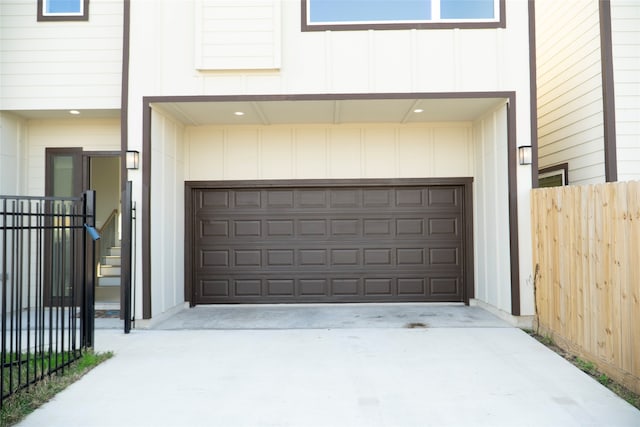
x,y
339,242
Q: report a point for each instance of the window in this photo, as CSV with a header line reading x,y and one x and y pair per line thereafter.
x,y
63,10
554,176
399,14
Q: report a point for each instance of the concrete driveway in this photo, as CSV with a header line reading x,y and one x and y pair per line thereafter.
x,y
457,366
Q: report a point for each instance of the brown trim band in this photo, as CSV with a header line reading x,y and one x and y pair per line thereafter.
x,y
514,242
501,23
608,95
145,214
145,223
127,238
533,94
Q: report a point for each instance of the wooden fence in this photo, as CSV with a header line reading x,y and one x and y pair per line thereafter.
x,y
586,254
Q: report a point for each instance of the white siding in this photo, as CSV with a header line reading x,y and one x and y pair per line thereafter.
x,y
11,154
491,213
237,35
167,207
167,62
90,134
60,65
625,17
328,151
570,109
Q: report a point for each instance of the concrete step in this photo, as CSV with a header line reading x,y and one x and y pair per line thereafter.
x,y
109,270
112,260
115,251
109,281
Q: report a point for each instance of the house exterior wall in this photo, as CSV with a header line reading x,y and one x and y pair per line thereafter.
x,y
625,34
57,64
90,134
570,109
329,151
163,62
167,46
167,205
12,138
491,210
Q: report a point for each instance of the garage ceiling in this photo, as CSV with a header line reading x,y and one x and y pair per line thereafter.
x,y
328,111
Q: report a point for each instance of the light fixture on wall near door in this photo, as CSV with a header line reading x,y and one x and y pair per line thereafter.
x,y
132,159
524,154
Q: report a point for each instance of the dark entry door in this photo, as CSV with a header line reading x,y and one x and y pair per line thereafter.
x,y
339,242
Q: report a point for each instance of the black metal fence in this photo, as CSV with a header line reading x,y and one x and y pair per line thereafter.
x,y
47,273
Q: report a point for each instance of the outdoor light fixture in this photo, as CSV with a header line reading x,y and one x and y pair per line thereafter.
x,y
524,154
132,159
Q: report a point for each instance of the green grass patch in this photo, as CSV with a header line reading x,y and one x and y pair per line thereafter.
x,y
23,402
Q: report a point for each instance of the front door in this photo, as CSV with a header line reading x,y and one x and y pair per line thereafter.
x,y
69,172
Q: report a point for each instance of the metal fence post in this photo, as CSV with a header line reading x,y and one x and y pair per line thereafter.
x,y
88,310
126,257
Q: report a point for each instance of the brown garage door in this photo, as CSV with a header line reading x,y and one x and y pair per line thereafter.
x,y
340,242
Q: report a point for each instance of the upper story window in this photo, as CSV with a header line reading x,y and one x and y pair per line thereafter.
x,y
63,10
320,15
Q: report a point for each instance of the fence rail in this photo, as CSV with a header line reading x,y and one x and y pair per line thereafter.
x,y
46,301
587,265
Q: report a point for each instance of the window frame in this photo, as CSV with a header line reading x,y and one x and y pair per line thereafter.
x,y
499,22
561,170
82,16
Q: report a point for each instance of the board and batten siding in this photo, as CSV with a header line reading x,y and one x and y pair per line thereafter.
x,y
203,56
60,64
328,151
625,34
569,79
491,210
167,205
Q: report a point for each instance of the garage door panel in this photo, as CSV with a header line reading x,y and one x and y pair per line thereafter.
x,y
325,255
266,245
336,287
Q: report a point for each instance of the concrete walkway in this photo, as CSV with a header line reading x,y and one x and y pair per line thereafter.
x,y
449,373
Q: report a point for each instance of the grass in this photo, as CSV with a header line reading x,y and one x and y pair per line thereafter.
x,y
22,403
591,369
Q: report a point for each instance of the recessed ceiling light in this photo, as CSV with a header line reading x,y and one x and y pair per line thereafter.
x,y
418,110
239,113
74,112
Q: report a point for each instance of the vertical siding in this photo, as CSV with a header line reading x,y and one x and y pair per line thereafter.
x,y
263,50
491,210
625,23
57,64
328,151
570,111
167,205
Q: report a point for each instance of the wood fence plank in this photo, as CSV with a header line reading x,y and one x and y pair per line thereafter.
x,y
634,276
586,249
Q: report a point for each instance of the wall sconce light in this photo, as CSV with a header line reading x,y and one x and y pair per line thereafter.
x,y
524,154
132,159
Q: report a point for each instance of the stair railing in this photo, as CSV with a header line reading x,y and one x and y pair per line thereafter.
x,y
108,237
